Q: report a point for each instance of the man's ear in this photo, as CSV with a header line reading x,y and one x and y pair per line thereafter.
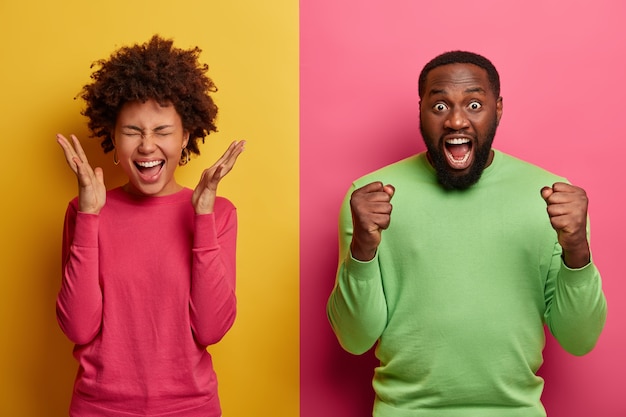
x,y
499,105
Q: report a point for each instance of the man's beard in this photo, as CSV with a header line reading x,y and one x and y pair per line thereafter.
x,y
445,174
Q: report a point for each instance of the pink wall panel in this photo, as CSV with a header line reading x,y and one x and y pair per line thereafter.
x,y
563,68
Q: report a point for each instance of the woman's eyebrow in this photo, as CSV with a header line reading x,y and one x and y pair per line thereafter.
x,y
138,129
133,127
162,127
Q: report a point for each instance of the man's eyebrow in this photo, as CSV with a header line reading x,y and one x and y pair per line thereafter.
x,y
476,90
441,91
437,91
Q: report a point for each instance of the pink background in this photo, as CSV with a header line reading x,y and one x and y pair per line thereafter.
x,y
562,66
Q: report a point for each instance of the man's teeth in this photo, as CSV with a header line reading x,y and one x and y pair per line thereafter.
x,y
149,164
457,141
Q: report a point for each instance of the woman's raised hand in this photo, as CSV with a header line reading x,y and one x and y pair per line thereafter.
x,y
91,189
203,198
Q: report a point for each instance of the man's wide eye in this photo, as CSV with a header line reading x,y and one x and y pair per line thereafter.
x,y
440,107
474,105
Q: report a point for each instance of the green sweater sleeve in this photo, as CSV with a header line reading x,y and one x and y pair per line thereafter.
x,y
356,308
575,305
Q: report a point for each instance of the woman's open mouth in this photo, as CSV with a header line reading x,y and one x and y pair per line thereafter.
x,y
149,169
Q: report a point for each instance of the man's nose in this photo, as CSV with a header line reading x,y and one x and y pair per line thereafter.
x,y
457,119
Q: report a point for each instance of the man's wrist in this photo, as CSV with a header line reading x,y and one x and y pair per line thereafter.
x,y
360,254
575,259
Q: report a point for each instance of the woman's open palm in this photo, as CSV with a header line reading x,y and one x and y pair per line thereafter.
x,y
91,189
203,198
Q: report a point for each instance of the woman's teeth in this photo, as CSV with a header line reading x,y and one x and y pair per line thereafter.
x,y
149,164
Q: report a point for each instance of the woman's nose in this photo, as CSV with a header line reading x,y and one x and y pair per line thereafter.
x,y
148,143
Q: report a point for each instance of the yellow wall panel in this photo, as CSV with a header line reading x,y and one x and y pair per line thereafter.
x,y
252,50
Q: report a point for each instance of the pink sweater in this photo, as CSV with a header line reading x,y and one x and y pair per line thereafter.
x,y
147,286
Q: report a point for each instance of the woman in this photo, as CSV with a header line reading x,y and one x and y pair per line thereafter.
x,y
149,267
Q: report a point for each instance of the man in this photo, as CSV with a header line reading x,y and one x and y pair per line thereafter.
x,y
455,285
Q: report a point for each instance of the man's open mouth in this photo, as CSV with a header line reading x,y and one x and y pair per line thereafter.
x,y
458,152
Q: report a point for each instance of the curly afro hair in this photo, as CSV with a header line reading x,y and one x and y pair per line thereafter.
x,y
154,70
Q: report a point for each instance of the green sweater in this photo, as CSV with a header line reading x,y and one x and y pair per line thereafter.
x,y
459,292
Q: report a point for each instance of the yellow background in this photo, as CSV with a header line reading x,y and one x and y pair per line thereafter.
x,y
252,50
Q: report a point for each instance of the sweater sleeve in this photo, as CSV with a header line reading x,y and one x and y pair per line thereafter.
x,y
79,301
356,308
212,300
575,305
